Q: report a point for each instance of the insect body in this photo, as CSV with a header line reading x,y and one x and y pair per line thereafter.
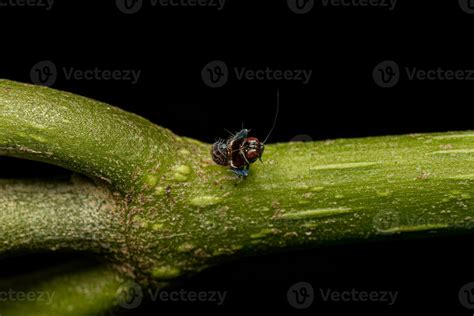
x,y
239,150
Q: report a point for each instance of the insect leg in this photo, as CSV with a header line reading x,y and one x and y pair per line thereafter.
x,y
240,172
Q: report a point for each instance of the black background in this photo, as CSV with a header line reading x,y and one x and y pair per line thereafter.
x,y
341,45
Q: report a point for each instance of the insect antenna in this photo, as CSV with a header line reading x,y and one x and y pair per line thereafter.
x,y
276,116
230,133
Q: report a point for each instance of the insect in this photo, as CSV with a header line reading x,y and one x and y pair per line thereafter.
x,y
239,150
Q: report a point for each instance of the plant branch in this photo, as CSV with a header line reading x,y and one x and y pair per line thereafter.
x,y
41,215
177,213
71,288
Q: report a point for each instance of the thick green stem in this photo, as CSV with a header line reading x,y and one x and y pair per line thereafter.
x,y
176,212
71,288
57,214
80,134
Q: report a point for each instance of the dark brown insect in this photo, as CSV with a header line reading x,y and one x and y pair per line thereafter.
x,y
239,150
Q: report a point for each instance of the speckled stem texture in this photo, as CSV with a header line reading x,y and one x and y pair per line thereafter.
x,y
159,209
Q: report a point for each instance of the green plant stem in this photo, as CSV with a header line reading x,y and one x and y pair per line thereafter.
x,y
177,213
42,215
70,288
